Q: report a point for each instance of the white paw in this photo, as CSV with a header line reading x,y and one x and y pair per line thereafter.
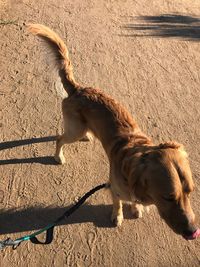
x,y
117,219
147,209
60,159
137,210
87,138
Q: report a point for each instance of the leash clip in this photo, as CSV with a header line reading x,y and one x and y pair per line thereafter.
x,y
9,242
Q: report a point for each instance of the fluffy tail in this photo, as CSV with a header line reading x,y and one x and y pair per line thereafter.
x,y
62,55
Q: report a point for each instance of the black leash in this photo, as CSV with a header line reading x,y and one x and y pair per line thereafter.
x,y
49,228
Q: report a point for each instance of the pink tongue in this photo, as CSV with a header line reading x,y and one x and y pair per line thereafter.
x,y
196,234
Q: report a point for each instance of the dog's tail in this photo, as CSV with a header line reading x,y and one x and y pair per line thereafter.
x,y
62,55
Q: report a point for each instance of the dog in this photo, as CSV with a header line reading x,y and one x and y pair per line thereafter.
x,y
140,171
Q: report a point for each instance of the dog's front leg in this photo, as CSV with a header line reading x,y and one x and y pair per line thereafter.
x,y
117,213
137,210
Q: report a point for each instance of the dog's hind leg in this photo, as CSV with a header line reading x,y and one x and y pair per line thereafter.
x,y
74,130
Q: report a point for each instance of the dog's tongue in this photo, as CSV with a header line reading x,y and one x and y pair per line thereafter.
x,y
194,235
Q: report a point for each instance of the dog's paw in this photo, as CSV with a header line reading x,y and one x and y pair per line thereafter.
x,y
87,138
137,214
147,209
137,211
117,219
60,160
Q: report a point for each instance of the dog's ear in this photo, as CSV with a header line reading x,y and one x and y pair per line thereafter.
x,y
173,145
170,144
141,183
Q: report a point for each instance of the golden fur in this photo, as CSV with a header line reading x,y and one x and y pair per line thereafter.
x,y
140,172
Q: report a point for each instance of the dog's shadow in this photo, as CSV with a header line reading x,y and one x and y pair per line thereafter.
x,y
34,218
46,160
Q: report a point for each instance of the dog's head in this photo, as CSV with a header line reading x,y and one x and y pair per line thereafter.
x,y
166,181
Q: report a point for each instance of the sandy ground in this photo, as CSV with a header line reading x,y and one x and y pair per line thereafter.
x,y
144,53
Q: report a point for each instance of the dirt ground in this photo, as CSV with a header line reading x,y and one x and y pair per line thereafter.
x,y
144,53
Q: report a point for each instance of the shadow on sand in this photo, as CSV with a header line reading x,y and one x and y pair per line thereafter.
x,y
34,218
165,26
47,160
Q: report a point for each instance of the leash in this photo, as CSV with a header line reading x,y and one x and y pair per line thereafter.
x,y
49,228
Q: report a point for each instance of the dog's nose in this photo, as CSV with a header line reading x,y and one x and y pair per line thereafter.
x,y
191,233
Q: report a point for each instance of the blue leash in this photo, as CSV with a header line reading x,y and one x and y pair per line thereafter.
x,y
49,228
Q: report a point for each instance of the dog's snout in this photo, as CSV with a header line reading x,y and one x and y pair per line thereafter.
x,y
190,231
191,217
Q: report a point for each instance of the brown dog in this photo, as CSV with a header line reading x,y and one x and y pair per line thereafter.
x,y
140,172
